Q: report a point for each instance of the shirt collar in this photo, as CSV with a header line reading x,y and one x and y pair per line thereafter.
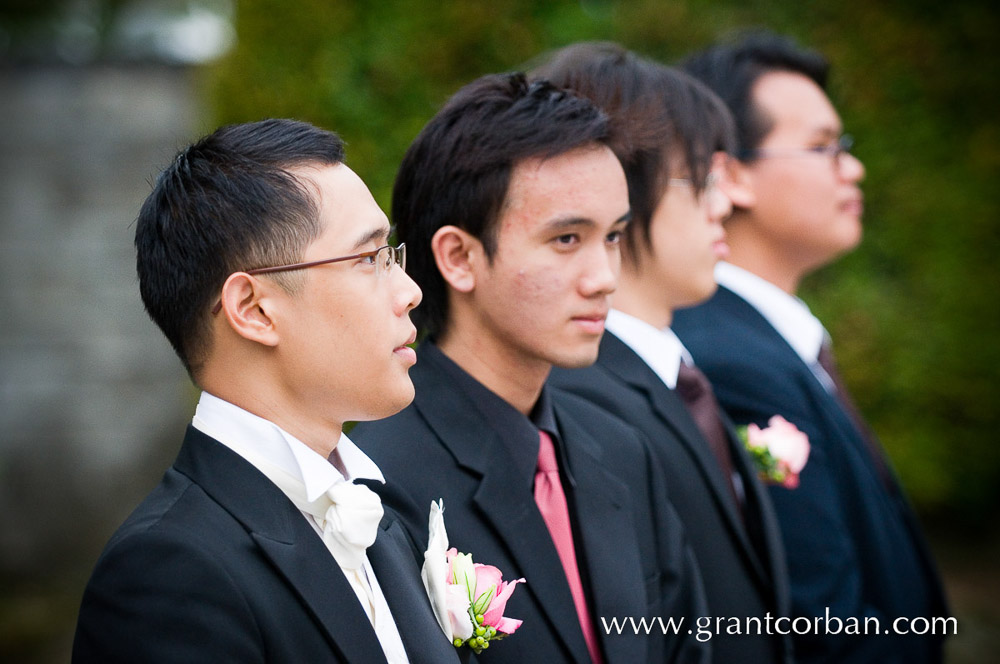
x,y
229,424
660,349
786,313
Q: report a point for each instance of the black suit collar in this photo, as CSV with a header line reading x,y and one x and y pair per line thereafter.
x,y
617,358
284,537
520,433
300,556
505,500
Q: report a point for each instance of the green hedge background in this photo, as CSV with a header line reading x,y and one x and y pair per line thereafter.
x,y
914,310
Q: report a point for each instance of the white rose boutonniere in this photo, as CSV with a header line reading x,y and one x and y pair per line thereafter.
x,y
468,598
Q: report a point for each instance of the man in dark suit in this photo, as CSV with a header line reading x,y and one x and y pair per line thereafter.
x,y
514,206
855,550
257,546
674,136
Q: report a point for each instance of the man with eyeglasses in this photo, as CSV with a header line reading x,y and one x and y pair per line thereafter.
x,y
263,259
855,549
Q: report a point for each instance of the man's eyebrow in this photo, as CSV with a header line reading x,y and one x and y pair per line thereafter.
x,y
564,223
828,131
380,233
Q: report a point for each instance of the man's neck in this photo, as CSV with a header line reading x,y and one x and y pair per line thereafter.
x,y
502,370
750,252
289,415
642,299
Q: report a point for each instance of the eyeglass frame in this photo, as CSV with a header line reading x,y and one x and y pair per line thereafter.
x,y
711,182
835,150
397,255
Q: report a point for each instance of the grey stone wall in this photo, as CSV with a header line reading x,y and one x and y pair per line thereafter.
x,y
92,400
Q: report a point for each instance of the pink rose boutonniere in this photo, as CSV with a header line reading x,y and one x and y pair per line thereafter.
x,y
468,598
780,451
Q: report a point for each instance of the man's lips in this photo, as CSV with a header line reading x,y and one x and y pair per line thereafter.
x,y
854,204
404,349
721,249
592,322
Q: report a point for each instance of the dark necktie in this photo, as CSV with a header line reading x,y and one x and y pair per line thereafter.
x,y
551,500
696,393
826,360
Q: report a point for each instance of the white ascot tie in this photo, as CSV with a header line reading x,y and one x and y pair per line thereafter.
x,y
347,513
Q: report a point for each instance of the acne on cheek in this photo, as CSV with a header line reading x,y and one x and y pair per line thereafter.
x,y
537,285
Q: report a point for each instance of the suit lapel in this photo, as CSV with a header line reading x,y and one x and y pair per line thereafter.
x,y
399,578
285,538
603,510
504,500
621,361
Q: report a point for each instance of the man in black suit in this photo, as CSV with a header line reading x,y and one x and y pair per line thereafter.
x,y
514,206
257,546
855,550
674,136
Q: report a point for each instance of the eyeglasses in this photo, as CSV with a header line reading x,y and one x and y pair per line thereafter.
x,y
710,187
834,151
382,258
711,180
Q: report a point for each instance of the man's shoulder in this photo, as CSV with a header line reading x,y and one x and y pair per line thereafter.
x,y
724,315
726,332
177,513
585,414
587,426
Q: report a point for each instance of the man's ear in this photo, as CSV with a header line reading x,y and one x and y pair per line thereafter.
x,y
457,253
246,304
736,182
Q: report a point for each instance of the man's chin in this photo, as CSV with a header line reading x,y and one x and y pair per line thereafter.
x,y
578,360
391,403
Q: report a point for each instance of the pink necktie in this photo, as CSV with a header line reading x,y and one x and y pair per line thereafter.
x,y
552,504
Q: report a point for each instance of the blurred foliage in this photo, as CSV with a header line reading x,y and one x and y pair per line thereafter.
x,y
916,83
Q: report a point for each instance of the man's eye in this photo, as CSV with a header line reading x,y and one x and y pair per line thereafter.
x,y
567,240
614,237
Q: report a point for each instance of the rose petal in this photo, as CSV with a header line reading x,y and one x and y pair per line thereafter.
x,y
508,625
463,573
458,613
434,572
494,614
487,576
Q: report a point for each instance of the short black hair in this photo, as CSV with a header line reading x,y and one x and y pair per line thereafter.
x,y
662,119
226,203
732,67
458,169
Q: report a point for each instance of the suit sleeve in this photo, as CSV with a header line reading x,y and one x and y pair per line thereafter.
x,y
155,598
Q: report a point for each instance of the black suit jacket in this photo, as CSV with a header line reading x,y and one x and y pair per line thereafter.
x,y
217,565
741,557
630,547
853,542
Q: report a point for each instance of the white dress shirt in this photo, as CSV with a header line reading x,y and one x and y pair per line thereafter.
x,y
786,313
659,348
241,430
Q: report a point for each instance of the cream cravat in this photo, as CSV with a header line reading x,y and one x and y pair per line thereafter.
x,y
348,515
